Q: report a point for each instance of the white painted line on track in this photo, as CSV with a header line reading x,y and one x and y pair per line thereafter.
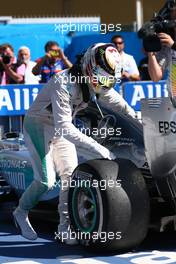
x,y
22,262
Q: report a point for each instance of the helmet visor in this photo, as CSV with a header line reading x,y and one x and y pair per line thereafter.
x,y
103,78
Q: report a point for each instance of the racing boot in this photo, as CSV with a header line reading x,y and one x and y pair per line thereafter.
x,y
22,221
66,235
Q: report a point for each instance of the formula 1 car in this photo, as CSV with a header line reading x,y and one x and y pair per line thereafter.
x,y
112,203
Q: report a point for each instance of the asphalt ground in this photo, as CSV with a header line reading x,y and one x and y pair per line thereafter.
x,y
158,248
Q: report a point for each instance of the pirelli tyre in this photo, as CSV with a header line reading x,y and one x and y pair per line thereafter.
x,y
108,205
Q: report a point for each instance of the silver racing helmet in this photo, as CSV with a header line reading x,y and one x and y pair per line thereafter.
x,y
101,64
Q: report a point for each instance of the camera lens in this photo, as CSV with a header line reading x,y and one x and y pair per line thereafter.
x,y
6,59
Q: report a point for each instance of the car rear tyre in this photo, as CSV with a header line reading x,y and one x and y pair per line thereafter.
x,y
109,204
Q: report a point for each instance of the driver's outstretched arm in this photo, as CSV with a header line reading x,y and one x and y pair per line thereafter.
x,y
114,101
64,127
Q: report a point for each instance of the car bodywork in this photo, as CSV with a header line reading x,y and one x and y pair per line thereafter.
x,y
155,158
125,141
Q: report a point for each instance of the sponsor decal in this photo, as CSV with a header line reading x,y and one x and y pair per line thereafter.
x,y
16,164
167,127
16,99
134,92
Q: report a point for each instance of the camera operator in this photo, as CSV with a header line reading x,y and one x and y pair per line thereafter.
x,y
162,60
10,71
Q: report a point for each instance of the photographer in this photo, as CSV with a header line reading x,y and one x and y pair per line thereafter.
x,y
159,62
53,62
10,71
162,60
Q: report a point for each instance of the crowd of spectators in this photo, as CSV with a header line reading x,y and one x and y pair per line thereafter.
x,y
22,70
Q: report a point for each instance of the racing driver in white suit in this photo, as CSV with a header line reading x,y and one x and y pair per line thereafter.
x,y
52,151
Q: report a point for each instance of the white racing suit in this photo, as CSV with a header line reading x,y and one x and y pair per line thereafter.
x,y
52,152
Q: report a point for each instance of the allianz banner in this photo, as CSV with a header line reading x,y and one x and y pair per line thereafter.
x,y
133,92
16,99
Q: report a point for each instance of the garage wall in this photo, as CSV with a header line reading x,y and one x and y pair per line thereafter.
x,y
111,11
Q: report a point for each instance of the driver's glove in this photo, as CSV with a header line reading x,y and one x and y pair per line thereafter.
x,y
111,156
104,152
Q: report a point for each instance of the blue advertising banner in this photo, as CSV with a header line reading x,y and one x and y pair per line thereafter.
x,y
16,99
134,91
